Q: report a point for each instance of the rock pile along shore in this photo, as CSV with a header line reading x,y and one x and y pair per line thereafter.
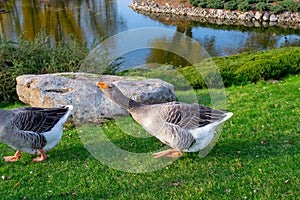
x,y
219,16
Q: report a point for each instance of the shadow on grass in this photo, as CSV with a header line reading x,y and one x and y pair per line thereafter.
x,y
68,154
225,149
232,149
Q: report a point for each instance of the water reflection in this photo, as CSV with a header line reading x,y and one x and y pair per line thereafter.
x,y
86,20
93,20
223,40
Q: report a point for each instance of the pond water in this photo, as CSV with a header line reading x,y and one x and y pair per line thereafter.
x,y
95,20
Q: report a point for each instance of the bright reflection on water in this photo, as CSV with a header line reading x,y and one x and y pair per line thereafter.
x,y
95,20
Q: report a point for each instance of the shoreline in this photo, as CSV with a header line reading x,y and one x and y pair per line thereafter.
x,y
218,16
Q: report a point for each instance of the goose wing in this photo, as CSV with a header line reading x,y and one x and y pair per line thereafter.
x,y
27,139
190,116
38,120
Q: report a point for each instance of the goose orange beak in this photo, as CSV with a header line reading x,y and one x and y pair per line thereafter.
x,y
102,85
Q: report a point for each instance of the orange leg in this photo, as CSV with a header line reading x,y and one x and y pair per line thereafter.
x,y
173,153
43,156
13,158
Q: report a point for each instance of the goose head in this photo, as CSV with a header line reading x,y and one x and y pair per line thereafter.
x,y
114,93
110,90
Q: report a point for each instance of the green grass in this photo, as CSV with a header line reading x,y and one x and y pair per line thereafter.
x,y
240,69
256,157
245,5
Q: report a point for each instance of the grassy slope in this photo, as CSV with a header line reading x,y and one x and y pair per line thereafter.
x,y
240,69
256,157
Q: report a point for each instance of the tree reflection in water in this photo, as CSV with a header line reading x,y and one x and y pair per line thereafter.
x,y
86,20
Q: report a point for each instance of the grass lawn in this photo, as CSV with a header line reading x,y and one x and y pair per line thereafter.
x,y
256,157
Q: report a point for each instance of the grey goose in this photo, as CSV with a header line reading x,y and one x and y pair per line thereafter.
x,y
183,127
32,130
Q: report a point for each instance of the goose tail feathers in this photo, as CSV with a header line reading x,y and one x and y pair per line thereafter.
x,y
227,116
70,109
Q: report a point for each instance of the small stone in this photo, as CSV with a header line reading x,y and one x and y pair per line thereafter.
x,y
266,17
273,18
228,190
242,17
5,177
258,16
177,183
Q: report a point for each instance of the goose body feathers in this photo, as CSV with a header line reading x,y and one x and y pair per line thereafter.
x,y
183,127
188,127
33,130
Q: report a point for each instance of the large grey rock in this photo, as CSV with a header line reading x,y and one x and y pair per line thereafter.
x,y
80,90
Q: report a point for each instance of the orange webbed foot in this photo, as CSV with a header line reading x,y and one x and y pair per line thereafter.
x,y
42,157
172,153
13,158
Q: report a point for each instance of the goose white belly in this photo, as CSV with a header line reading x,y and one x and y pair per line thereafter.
x,y
203,137
54,135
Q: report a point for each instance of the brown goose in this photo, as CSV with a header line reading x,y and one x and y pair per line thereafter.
x,y
32,130
183,127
